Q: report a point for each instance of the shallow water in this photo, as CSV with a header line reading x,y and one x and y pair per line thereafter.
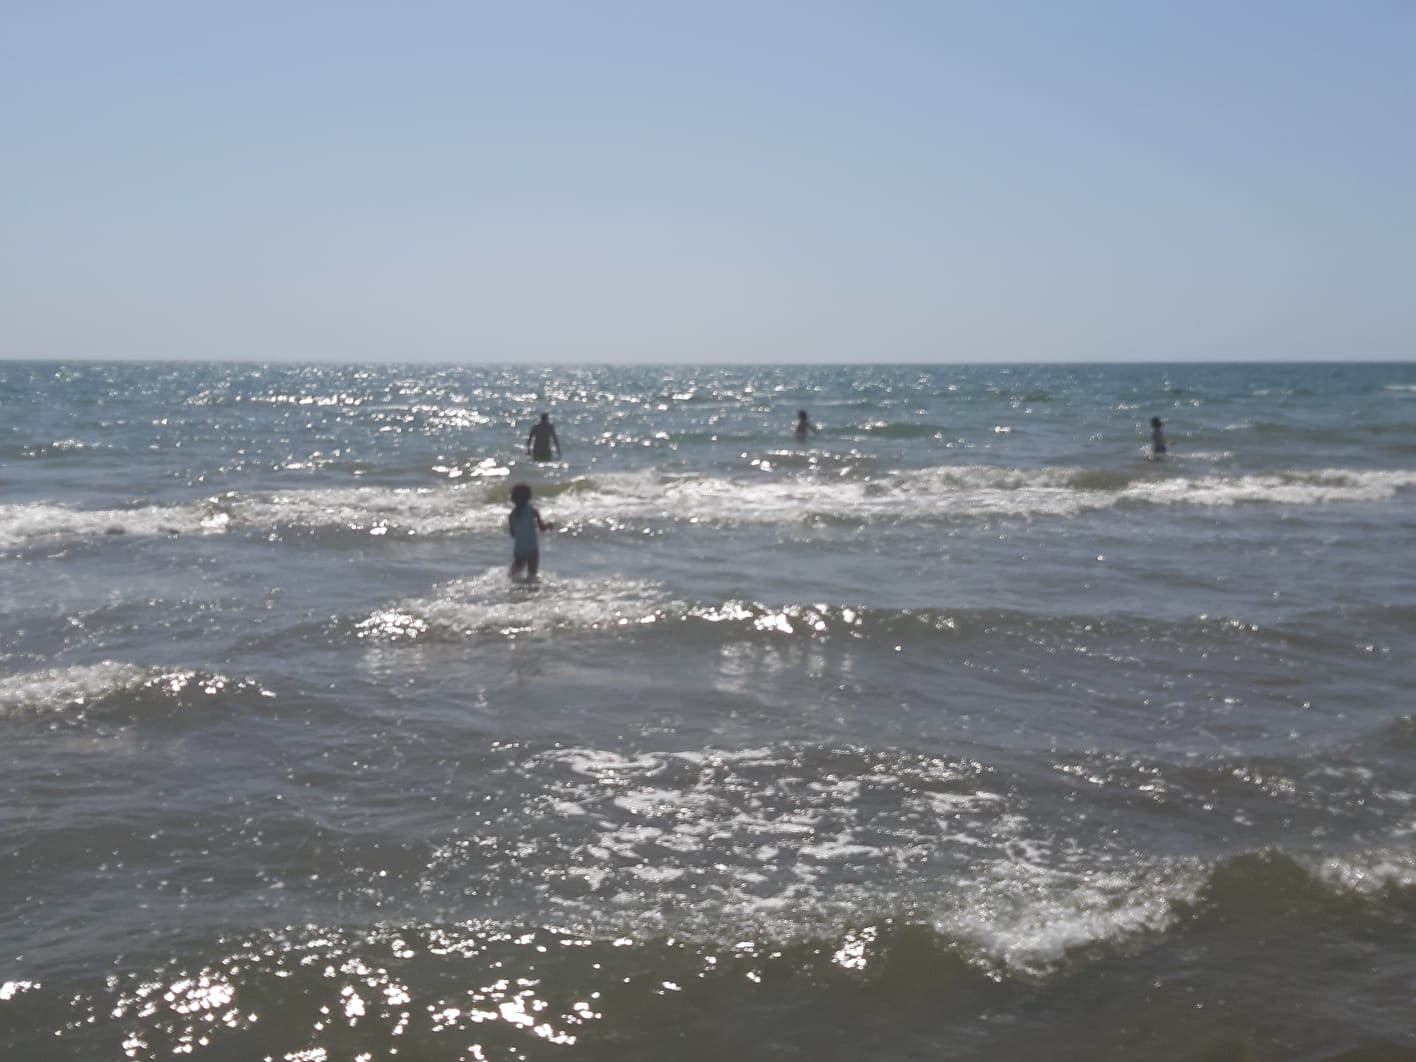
x,y
959,730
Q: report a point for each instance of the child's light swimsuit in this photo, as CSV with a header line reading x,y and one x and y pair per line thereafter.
x,y
523,531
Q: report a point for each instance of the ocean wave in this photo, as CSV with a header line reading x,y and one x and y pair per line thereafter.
x,y
777,843
1272,884
948,492
480,506
951,493
28,523
519,985
677,884
490,604
635,499
780,841
115,688
1025,919
1378,873
885,429
528,990
57,448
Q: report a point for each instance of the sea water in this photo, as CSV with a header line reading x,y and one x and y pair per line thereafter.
x,y
959,729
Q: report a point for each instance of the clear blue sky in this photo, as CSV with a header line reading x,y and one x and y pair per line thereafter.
x,y
765,181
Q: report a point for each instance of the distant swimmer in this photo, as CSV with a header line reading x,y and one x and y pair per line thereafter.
x,y
522,524
803,425
1157,438
541,439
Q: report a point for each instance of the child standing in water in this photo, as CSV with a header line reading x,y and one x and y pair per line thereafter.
x,y
522,524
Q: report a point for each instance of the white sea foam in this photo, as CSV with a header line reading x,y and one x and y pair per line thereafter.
x,y
715,841
30,522
626,501
1027,917
937,492
58,689
376,510
1325,487
842,846
488,604
65,687
1023,909
1368,873
59,446
781,838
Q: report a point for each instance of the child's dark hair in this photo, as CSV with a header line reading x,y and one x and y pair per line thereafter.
x,y
521,493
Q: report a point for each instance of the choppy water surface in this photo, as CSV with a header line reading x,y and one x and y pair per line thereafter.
x,y
959,730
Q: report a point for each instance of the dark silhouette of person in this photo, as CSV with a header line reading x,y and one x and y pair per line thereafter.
x,y
803,425
542,438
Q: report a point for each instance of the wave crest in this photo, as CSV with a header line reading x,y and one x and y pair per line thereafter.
x,y
852,495
114,686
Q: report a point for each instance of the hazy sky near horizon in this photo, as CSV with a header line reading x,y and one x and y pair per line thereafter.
x,y
764,181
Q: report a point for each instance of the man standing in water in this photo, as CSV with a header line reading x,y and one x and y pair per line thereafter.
x,y
541,439
803,425
1157,439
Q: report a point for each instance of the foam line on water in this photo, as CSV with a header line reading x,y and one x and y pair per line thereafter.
x,y
628,500
490,604
86,686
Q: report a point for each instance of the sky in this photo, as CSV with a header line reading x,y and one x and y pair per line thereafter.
x,y
772,181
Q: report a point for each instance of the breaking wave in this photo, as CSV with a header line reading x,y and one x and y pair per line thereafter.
x,y
115,688
526,989
630,499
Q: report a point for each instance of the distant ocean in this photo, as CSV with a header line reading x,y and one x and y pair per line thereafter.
x,y
959,730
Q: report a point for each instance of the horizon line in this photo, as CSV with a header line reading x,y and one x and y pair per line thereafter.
x,y
557,363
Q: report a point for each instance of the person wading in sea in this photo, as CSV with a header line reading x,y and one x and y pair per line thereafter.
x,y
1157,438
541,439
